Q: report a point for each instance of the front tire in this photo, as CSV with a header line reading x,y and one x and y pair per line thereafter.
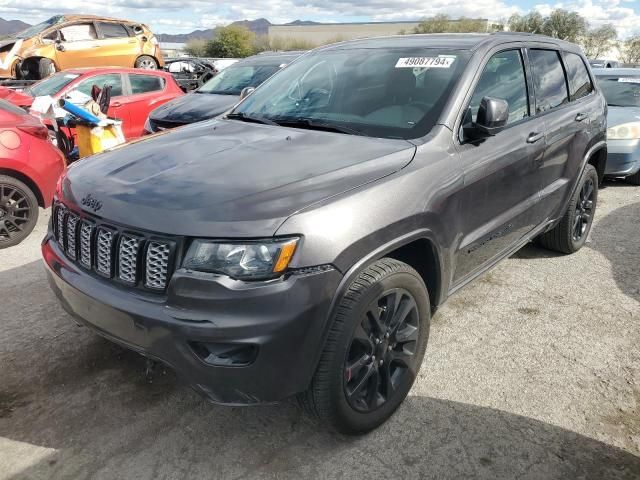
x,y
18,211
633,179
145,62
374,349
571,233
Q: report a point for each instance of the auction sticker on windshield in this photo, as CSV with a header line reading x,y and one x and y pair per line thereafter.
x,y
442,61
629,80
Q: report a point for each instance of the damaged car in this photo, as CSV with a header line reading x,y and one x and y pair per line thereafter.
x,y
73,41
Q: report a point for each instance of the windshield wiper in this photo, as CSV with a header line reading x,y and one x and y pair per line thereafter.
x,y
243,117
311,124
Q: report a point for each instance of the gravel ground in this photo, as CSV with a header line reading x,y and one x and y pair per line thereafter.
x,y
531,372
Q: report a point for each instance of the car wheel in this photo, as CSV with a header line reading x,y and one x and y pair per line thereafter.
x,y
374,349
633,179
46,68
571,233
18,211
146,63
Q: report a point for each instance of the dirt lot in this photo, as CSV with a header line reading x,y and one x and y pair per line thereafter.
x,y
532,372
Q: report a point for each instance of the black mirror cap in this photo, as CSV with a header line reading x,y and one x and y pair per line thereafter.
x,y
492,115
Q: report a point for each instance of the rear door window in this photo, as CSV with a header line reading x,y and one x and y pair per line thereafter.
x,y
579,81
112,30
113,79
145,83
548,79
503,77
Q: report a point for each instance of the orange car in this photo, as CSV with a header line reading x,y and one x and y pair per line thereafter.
x,y
72,41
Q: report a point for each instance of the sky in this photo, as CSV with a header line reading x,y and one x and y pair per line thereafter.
x,y
183,16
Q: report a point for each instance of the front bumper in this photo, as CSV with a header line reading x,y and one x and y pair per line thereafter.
x,y
284,320
623,157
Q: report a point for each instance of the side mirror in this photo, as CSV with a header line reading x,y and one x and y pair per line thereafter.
x,y
246,92
492,116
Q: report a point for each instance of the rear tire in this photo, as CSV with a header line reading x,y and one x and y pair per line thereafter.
x,y
46,68
571,233
18,211
370,360
146,62
633,179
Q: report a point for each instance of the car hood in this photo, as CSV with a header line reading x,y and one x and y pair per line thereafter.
x,y
620,115
194,107
226,178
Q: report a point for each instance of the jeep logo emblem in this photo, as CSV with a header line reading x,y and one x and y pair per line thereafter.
x,y
91,203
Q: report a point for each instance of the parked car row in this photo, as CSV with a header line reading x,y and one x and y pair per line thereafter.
x,y
298,243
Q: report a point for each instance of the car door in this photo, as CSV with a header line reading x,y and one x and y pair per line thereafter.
x,y
145,93
117,46
563,91
500,200
77,45
566,124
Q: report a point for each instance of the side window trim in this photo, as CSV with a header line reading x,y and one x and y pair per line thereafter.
x,y
528,85
130,87
100,33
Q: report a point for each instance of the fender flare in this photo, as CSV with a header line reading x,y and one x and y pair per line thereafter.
x,y
363,263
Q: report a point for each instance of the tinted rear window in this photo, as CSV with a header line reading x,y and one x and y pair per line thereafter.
x,y
548,79
579,81
112,30
145,83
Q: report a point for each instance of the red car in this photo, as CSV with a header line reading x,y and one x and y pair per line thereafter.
x,y
29,170
134,92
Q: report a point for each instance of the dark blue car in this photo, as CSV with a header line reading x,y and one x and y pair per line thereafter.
x,y
621,88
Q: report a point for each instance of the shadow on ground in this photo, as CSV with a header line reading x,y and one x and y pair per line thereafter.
x,y
617,237
63,388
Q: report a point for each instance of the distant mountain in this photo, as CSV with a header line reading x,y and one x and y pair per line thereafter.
x,y
9,27
259,27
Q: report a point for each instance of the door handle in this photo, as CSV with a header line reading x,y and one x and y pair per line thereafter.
x,y
581,116
534,137
116,104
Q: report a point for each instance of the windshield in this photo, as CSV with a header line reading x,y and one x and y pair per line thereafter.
x,y
233,79
620,91
51,85
36,29
386,92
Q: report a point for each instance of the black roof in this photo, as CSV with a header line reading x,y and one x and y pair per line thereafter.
x,y
460,41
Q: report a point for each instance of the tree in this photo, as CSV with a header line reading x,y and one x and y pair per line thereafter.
x,y
560,24
196,48
444,24
233,41
532,22
564,25
630,50
598,41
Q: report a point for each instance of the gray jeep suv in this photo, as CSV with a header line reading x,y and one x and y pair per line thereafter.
x,y
300,245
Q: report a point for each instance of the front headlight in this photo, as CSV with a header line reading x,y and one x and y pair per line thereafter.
x,y
253,260
625,131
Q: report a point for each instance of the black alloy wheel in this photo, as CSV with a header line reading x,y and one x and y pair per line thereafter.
x,y
584,210
18,211
382,351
